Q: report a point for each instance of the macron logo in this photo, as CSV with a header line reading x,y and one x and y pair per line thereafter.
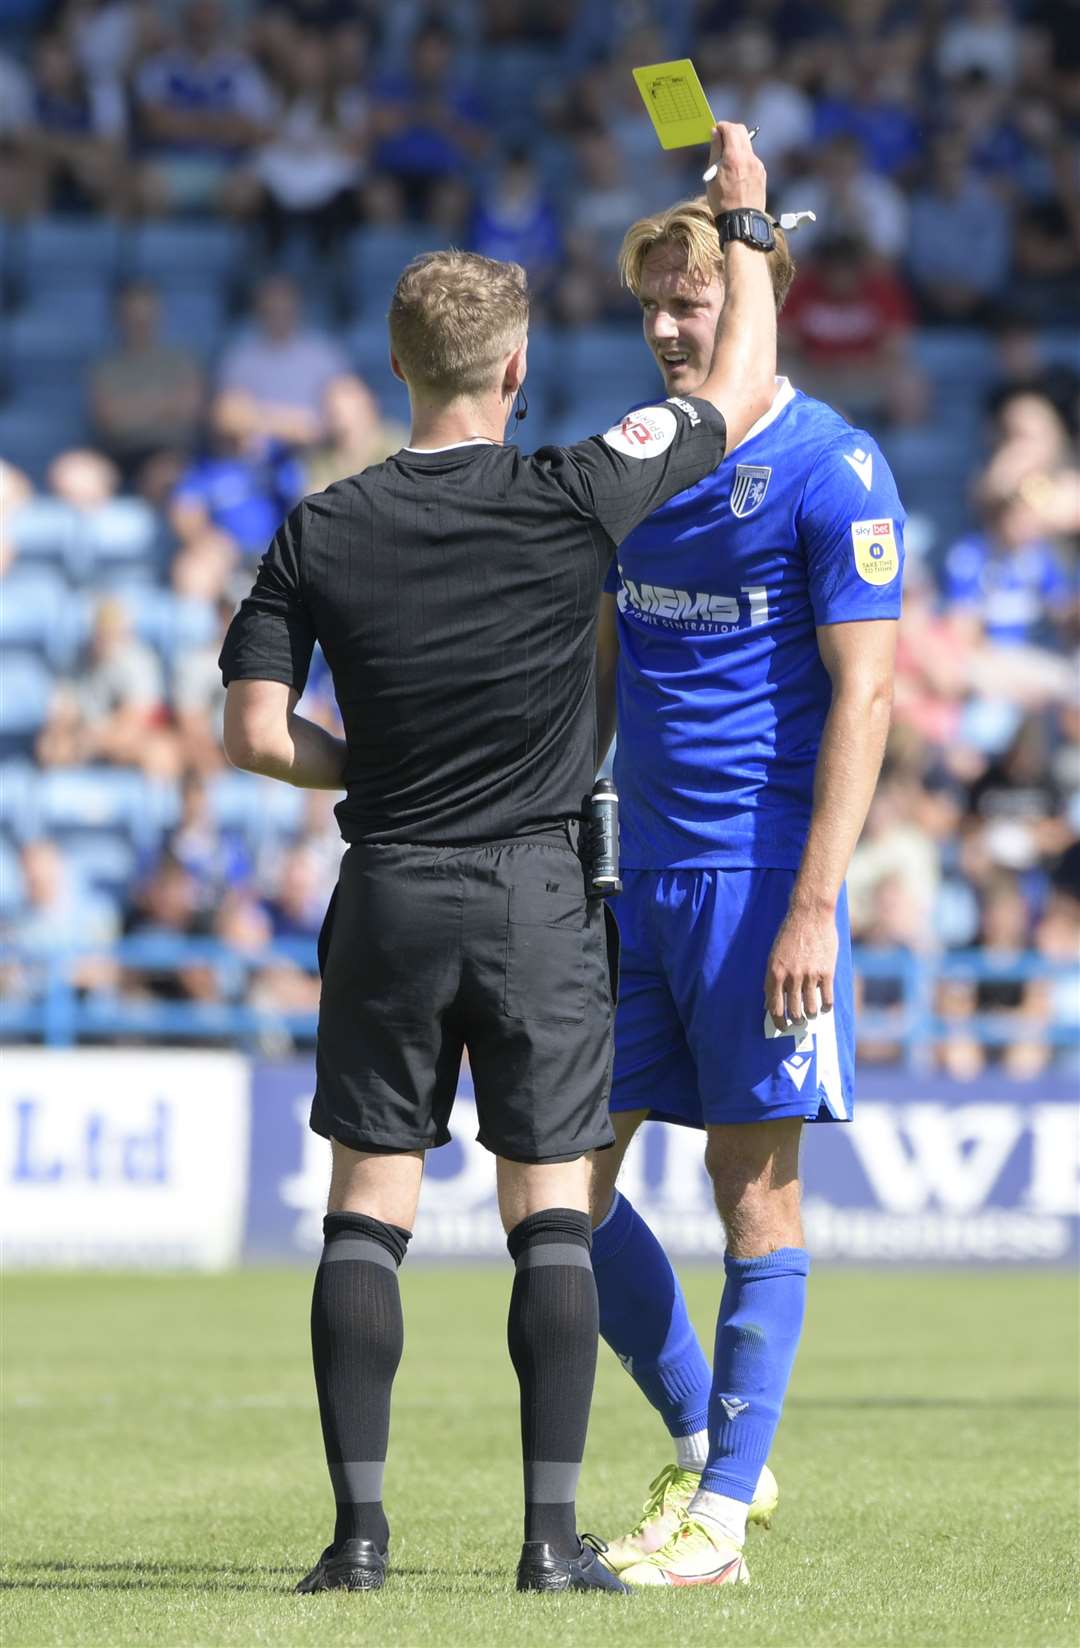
x,y
797,1067
863,465
733,1409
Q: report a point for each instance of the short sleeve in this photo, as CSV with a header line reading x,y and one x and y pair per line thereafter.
x,y
651,455
271,638
851,527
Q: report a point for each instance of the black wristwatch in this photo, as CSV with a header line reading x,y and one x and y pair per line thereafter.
x,y
747,225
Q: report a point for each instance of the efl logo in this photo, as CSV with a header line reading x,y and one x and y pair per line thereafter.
x,y
644,434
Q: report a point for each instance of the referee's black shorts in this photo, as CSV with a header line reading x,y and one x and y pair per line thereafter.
x,y
430,951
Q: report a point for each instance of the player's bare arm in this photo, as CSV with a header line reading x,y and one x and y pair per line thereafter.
x,y
859,658
607,662
263,734
742,378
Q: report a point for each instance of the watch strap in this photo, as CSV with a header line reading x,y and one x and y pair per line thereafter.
x,y
740,223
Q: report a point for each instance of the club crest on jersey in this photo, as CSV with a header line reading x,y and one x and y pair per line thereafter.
x,y
749,488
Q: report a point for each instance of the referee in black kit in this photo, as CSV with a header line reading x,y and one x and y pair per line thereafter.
x,y
454,591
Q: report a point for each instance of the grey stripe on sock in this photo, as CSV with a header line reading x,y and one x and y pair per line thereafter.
x,y
357,1481
551,1481
358,1248
554,1253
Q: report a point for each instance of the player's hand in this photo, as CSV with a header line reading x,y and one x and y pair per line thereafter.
x,y
802,962
740,175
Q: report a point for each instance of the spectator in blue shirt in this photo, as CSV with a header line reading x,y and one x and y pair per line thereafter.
x,y
298,903
958,239
1009,576
75,134
516,222
200,106
429,129
863,101
243,488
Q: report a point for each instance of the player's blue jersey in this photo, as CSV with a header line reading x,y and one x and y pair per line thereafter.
x,y
722,694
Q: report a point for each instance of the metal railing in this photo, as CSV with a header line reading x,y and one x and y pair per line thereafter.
x,y
43,1000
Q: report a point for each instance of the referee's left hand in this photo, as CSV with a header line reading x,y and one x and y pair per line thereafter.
x,y
802,962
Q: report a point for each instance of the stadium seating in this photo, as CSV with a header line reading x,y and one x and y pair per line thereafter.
x,y
260,811
206,255
123,537
74,802
32,604
373,261
25,690
67,253
194,317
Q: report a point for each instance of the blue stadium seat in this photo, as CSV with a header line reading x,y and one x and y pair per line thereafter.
x,y
370,350
932,465
194,317
608,361
45,531
18,798
122,537
1060,347
30,439
75,800
961,367
10,876
69,252
511,77
374,258
179,254
26,685
105,860
168,622
58,324
31,605
256,807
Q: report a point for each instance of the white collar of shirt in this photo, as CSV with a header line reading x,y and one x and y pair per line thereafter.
x,y
474,440
785,393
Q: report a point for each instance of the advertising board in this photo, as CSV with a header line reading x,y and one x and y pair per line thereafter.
x,y
123,1159
931,1172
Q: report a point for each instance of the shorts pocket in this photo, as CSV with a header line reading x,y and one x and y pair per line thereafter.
x,y
546,940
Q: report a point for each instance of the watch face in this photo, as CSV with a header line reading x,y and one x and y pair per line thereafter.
x,y
761,229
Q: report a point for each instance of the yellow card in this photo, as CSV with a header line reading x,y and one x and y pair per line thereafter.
x,y
677,105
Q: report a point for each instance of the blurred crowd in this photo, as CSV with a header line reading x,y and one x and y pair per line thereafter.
x,y
937,142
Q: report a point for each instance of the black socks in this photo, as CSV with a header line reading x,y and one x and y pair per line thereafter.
x,y
356,1342
552,1334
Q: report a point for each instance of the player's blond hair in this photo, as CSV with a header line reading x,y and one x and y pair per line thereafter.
x,y
454,317
690,227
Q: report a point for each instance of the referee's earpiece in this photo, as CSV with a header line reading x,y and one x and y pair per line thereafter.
x,y
521,406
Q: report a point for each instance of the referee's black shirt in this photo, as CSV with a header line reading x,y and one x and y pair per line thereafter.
x,y
454,594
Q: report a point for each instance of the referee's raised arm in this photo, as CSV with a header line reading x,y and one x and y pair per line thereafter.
x,y
742,381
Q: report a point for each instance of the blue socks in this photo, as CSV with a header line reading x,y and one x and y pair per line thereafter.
x,y
757,1335
643,1318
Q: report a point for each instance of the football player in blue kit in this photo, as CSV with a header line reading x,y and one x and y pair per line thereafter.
x,y
748,636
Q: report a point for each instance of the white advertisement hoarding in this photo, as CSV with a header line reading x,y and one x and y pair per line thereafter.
x,y
118,1158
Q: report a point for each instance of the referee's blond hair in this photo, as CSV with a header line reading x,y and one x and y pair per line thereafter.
x,y
454,318
689,226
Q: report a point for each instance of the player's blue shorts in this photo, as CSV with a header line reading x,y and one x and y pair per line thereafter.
x,y
690,1041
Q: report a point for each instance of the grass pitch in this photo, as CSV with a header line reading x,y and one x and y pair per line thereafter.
x,y
163,1480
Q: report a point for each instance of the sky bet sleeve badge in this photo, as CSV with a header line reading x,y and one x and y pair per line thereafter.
x,y
876,558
